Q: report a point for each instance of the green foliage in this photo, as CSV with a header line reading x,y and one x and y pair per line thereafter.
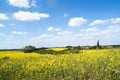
x,y
6,58
44,51
29,49
69,47
98,43
73,47
77,48
74,51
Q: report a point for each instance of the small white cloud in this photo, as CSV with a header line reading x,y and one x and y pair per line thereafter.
x,y
110,21
65,15
96,22
40,39
33,3
93,32
79,35
1,25
29,16
45,36
50,29
57,29
91,29
115,20
19,3
10,38
53,29
19,33
65,32
3,17
114,28
77,21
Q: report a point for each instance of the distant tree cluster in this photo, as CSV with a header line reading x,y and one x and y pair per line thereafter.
x,y
29,49
43,50
69,49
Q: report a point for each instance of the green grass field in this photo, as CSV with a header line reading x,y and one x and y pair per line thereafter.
x,y
87,65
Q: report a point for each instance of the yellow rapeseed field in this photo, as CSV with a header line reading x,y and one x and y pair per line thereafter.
x,y
86,65
57,49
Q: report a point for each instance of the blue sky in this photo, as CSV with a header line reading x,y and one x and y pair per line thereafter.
x,y
54,23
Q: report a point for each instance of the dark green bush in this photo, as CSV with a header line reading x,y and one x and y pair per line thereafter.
x,y
29,49
6,58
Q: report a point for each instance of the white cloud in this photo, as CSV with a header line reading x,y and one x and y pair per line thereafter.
x,y
19,33
110,21
42,39
50,29
29,16
1,25
91,29
45,36
115,20
3,17
93,32
114,28
33,3
77,21
96,22
64,38
65,32
57,29
10,38
20,3
86,36
53,29
79,35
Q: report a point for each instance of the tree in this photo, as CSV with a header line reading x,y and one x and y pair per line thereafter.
x,y
28,49
69,47
98,45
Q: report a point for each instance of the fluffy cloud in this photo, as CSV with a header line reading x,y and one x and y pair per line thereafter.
x,y
115,20
114,28
91,29
1,25
29,16
65,38
19,33
19,3
53,29
45,36
96,22
77,21
65,32
10,38
110,21
110,31
42,37
3,17
33,3
22,3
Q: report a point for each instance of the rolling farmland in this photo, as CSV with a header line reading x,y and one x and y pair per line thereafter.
x,y
86,65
